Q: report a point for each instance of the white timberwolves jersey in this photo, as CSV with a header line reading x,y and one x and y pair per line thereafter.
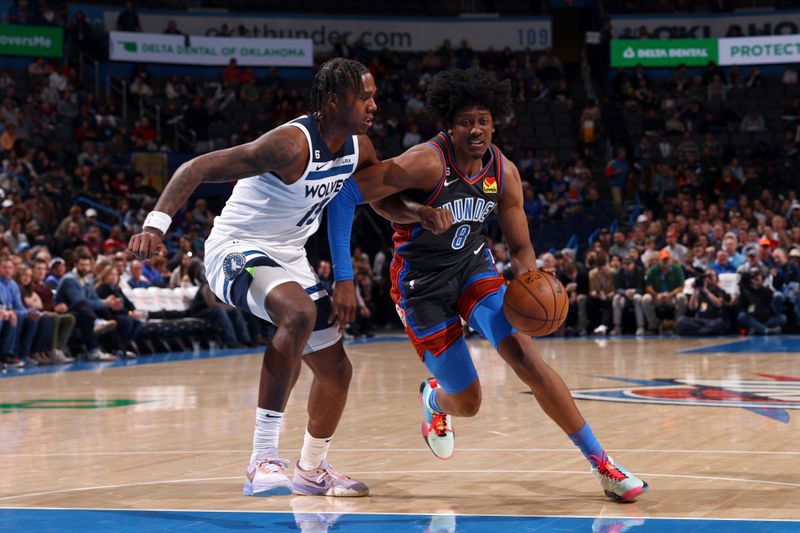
x,y
264,209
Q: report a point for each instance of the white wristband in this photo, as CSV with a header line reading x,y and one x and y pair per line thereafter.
x,y
158,220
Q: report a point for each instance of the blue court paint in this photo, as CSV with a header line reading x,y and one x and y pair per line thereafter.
x,y
760,344
120,521
170,357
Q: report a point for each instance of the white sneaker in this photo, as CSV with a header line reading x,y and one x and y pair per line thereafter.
x,y
101,326
59,357
97,355
640,332
266,476
602,329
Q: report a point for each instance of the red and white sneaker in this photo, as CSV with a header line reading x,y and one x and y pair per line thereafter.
x,y
618,484
436,427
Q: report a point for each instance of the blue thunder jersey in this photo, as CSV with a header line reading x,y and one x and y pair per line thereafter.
x,y
470,198
264,209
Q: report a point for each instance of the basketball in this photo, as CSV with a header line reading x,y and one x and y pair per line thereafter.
x,y
536,303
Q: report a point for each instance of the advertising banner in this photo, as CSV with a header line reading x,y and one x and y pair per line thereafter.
x,y
183,50
760,50
705,26
663,52
36,41
377,33
776,49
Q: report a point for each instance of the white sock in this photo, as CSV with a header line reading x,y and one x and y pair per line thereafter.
x,y
314,451
267,432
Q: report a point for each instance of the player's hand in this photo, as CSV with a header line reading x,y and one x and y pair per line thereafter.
x,y
147,244
344,304
435,219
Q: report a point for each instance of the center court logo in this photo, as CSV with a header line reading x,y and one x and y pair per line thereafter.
x,y
770,397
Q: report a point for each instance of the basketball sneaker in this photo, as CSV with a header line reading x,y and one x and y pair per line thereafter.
x,y
618,484
436,428
325,481
266,476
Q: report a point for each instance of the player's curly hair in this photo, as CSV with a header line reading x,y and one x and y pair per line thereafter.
x,y
336,76
453,90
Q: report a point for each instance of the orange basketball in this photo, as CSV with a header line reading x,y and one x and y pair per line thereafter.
x,y
536,303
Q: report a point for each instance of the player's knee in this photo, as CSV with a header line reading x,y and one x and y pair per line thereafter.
x,y
341,372
300,319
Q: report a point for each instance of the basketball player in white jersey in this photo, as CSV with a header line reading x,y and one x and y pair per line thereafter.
x,y
255,260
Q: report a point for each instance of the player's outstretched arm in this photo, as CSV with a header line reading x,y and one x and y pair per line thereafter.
x,y
417,168
283,151
514,222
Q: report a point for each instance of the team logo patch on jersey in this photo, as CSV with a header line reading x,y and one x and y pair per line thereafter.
x,y
233,264
490,185
770,397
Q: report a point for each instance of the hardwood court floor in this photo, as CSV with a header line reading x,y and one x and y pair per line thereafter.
x,y
177,435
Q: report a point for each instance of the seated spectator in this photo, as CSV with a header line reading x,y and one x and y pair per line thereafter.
x,y
43,329
629,287
601,292
137,279
231,73
77,292
185,248
20,326
325,275
57,268
705,310
179,277
664,286
730,244
172,28
129,320
200,213
115,241
63,322
575,279
786,282
722,265
753,122
759,310
676,249
128,19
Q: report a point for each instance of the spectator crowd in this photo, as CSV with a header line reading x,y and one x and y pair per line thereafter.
x,y
700,188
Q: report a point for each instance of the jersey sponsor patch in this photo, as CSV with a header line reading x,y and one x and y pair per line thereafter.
x,y
490,185
233,264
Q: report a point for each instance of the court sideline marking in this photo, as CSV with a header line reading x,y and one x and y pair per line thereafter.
x,y
401,513
394,472
397,450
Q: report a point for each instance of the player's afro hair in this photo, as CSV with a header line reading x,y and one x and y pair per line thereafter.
x,y
453,90
334,76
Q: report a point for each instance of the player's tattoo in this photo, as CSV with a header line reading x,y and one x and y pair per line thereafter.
x,y
275,151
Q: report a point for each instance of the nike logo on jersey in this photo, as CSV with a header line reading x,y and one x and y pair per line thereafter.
x,y
475,252
320,167
447,183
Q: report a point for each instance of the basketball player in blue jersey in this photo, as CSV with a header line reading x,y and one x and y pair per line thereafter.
x,y
255,260
440,280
